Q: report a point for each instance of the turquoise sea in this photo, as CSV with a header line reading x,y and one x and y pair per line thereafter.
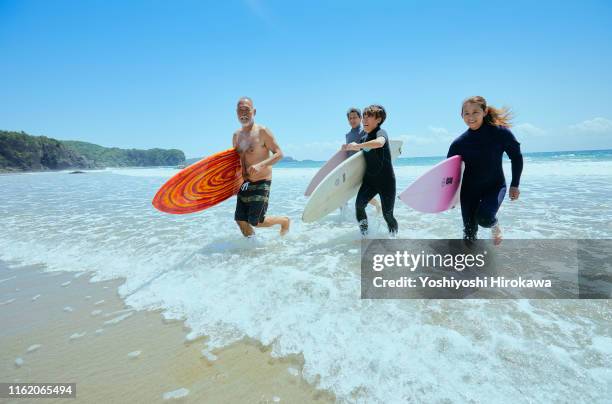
x,y
581,155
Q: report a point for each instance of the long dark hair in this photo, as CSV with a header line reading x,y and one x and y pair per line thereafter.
x,y
495,116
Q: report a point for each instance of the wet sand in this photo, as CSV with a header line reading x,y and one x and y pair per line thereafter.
x,y
114,354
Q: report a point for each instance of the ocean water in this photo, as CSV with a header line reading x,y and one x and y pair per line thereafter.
x,y
300,294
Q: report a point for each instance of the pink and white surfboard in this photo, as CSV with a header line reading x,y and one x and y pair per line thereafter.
x,y
438,189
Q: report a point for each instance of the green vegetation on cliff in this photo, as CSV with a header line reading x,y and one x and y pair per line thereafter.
x,y
22,152
115,157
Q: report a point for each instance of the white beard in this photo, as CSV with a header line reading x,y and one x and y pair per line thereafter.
x,y
247,123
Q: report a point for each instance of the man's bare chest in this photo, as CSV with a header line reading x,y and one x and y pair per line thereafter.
x,y
250,144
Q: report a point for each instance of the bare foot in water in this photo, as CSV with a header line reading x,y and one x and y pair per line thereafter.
x,y
285,227
496,233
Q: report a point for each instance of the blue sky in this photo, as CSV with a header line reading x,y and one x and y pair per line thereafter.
x,y
144,74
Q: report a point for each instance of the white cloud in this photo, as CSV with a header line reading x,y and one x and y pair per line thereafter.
x,y
416,140
438,131
434,135
595,126
312,150
527,129
433,141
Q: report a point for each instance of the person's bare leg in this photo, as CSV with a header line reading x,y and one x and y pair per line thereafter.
x,y
245,228
374,202
283,221
496,233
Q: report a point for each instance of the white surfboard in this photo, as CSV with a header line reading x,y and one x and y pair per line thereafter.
x,y
340,185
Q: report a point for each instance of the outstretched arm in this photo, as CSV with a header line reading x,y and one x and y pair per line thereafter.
x,y
372,144
377,143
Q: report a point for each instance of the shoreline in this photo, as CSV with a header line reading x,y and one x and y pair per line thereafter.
x,y
70,170
58,327
286,164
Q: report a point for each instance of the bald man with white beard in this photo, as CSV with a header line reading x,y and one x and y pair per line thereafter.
x,y
258,152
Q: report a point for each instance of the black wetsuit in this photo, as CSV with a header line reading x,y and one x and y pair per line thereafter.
x,y
379,178
484,185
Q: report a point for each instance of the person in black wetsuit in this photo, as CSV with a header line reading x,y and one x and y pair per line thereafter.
x,y
353,115
379,177
481,148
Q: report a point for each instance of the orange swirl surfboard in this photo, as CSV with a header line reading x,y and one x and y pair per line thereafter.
x,y
201,185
